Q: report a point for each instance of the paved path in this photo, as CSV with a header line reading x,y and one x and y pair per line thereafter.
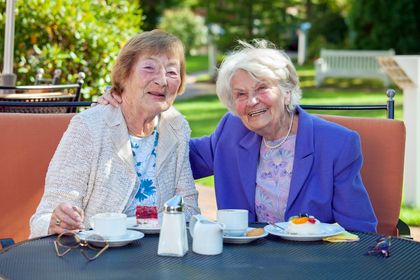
x,y
415,233
197,89
193,88
207,203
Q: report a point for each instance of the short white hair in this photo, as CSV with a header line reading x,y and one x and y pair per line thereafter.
x,y
262,60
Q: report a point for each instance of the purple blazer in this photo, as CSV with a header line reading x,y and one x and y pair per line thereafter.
x,y
326,181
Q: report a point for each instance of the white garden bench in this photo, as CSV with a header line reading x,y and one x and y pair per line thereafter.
x,y
350,64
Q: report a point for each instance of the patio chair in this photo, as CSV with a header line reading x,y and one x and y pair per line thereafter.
x,y
27,144
40,80
383,146
11,98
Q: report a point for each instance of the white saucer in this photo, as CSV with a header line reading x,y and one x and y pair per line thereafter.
x,y
327,230
118,241
242,239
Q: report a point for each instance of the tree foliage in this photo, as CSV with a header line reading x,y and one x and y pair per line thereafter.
x,y
329,28
277,21
385,24
249,19
153,10
187,26
73,35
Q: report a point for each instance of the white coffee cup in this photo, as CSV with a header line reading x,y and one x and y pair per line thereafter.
x,y
109,225
235,221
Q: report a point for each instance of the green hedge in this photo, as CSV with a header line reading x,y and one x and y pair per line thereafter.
x,y
73,35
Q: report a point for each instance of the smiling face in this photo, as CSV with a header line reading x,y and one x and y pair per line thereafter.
x,y
153,83
259,104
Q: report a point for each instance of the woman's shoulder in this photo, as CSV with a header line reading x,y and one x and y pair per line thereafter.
x,y
175,119
96,117
93,112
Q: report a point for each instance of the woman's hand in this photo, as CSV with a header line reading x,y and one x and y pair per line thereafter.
x,y
110,98
66,217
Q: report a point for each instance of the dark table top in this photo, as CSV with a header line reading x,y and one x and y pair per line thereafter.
x,y
265,258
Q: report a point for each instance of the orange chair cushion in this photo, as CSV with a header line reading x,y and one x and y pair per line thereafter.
x,y
27,143
383,146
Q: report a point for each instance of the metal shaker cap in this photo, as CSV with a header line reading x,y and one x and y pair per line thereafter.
x,y
174,205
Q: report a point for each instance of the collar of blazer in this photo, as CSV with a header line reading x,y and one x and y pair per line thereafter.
x,y
168,137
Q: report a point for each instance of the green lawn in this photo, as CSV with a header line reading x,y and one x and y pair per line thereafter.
x,y
204,112
197,63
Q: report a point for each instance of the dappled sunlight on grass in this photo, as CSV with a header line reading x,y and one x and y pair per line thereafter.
x,y
306,73
203,113
410,215
207,181
196,63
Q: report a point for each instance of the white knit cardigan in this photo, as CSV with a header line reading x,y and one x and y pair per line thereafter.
x,y
93,166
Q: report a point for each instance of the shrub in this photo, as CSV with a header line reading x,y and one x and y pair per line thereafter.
x,y
187,26
72,35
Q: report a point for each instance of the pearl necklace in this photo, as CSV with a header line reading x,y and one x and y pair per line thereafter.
x,y
284,139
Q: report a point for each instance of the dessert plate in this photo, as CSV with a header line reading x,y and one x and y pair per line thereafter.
x,y
242,239
326,230
147,229
118,241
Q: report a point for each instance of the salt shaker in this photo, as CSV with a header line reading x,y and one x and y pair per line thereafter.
x,y
173,233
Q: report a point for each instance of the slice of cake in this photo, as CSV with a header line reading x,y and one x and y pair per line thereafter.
x,y
147,215
304,225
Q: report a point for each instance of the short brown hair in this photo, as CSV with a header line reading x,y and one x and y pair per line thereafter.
x,y
155,42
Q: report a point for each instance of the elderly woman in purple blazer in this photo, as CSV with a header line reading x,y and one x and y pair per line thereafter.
x,y
271,157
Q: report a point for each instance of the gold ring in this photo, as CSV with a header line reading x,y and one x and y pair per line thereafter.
x,y
57,221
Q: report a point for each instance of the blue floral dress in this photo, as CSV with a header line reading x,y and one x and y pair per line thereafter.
x,y
144,154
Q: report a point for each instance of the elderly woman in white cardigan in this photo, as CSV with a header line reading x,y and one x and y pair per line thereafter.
x,y
115,159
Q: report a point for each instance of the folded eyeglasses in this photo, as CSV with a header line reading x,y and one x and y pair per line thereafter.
x,y
67,241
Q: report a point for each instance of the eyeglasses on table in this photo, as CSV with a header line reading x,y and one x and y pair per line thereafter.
x,y
67,241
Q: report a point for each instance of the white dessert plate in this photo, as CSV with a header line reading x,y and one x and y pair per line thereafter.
x,y
128,237
243,239
326,230
147,229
